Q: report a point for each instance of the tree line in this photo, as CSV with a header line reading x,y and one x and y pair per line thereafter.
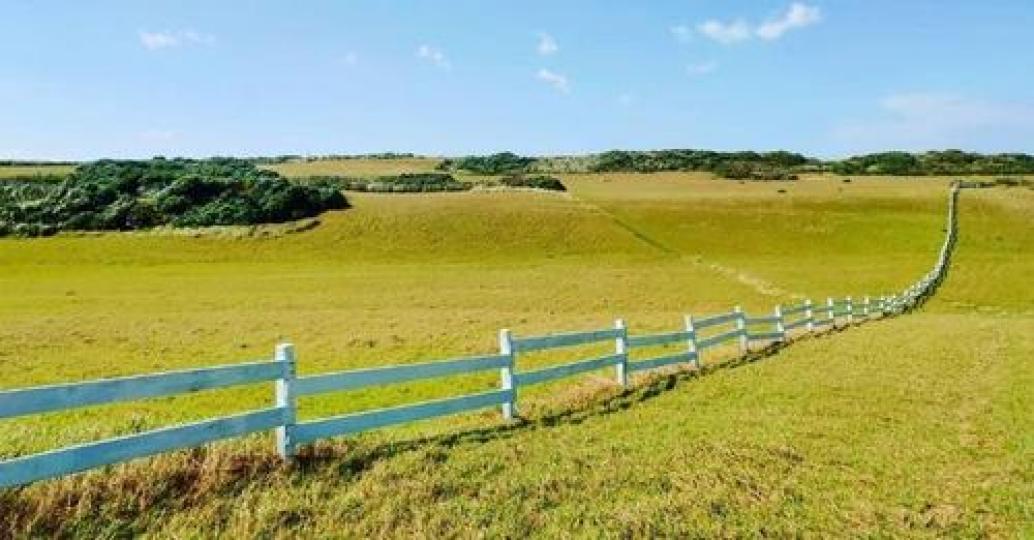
x,y
776,165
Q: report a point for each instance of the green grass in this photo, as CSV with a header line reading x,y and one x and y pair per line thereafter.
x,y
918,425
9,171
362,167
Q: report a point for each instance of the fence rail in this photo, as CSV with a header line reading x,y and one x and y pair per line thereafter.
x,y
288,387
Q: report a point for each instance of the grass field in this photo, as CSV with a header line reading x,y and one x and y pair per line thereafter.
x,y
9,171
919,425
362,167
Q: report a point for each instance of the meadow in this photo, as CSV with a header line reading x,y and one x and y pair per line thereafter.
x,y
360,167
918,425
11,171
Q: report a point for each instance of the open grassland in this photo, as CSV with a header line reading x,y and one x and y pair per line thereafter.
x,y
9,171
914,425
362,167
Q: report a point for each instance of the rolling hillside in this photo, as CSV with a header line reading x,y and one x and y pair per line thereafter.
x,y
918,425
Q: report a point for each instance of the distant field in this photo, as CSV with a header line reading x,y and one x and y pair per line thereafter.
x,y
7,171
355,167
910,426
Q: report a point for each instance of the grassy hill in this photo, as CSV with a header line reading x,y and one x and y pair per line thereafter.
x,y
916,425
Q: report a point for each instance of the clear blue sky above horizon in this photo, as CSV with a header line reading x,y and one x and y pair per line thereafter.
x,y
83,80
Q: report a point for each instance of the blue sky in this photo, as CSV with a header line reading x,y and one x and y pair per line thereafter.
x,y
82,80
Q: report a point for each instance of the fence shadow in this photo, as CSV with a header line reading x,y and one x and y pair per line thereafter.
x,y
351,459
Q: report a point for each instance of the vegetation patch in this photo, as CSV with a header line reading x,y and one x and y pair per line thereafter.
x,y
501,163
127,195
540,181
400,183
935,163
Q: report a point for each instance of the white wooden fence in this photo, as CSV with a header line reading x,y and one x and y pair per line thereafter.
x,y
697,335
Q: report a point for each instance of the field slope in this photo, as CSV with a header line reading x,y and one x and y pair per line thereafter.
x,y
918,425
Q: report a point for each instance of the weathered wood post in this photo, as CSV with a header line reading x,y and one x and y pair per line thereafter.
x,y
809,315
509,408
850,310
691,341
780,324
621,349
741,326
285,398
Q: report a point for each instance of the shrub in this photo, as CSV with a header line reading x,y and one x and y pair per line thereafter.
x,y
538,182
126,195
403,183
501,163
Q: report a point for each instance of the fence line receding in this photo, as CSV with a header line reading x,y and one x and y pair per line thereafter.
x,y
733,326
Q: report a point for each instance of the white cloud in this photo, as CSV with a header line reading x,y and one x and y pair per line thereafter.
x,y
681,33
547,45
725,33
166,39
702,68
926,120
433,55
555,80
797,16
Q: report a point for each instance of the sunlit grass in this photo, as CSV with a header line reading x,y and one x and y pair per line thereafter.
x,y
355,167
8,171
917,425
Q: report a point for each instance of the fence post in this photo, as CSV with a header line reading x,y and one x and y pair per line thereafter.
x,y
866,307
621,349
285,398
741,325
509,408
831,312
780,327
691,341
809,315
850,310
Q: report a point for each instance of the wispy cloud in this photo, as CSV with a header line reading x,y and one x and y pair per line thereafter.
x,y
556,80
725,33
797,15
681,33
433,55
167,39
925,120
547,45
702,68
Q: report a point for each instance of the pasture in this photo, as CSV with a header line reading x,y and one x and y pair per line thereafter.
x,y
10,171
916,425
360,167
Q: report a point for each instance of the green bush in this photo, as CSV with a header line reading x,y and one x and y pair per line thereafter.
x,y
403,183
501,163
127,195
944,162
538,182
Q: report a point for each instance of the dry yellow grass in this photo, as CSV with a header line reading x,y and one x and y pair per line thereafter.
x,y
363,167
